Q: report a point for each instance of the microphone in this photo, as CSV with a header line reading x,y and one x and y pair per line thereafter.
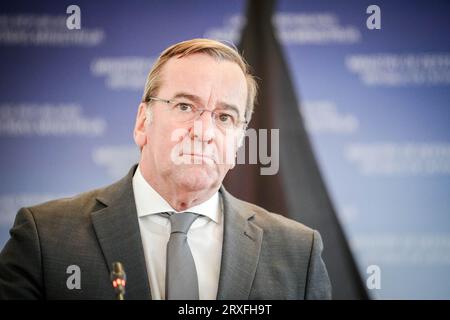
x,y
118,279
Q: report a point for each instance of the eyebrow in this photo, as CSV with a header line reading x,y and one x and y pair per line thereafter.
x,y
196,99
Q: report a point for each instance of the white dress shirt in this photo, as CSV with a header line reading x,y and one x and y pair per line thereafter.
x,y
204,238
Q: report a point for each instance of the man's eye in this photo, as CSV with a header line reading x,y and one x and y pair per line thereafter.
x,y
225,118
184,107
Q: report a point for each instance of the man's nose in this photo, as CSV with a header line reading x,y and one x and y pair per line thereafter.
x,y
203,127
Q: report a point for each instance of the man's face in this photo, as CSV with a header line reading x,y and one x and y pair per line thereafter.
x,y
191,155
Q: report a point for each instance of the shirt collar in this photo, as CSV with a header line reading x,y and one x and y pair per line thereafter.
x,y
149,201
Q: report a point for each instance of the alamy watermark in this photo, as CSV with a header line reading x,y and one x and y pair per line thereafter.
x,y
73,21
373,22
74,280
260,145
373,281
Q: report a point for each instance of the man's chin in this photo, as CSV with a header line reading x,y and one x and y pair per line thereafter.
x,y
197,176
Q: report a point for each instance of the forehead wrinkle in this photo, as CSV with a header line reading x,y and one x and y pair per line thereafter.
x,y
222,104
213,88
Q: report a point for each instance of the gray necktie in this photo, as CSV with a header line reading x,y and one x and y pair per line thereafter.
x,y
181,275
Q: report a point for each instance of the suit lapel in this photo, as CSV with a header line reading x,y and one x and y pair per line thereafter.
x,y
117,230
240,252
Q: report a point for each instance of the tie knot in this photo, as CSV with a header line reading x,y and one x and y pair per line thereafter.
x,y
181,222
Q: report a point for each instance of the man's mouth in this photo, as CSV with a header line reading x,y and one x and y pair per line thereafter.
x,y
203,157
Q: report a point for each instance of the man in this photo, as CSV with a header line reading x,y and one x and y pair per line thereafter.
x,y
177,232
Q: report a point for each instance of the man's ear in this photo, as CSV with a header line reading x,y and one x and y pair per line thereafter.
x,y
139,128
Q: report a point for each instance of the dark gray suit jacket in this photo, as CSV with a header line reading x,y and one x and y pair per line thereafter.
x,y
265,256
